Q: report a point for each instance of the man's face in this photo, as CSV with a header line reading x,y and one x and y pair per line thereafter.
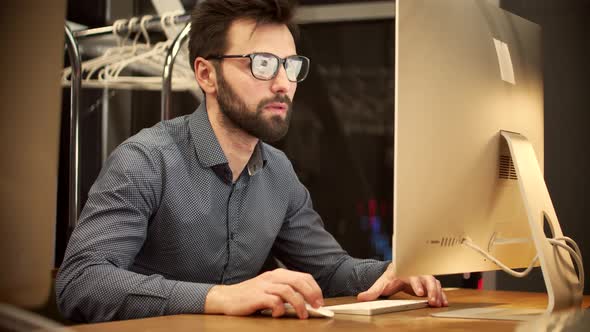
x,y
260,108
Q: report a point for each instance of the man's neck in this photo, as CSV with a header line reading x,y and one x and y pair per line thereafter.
x,y
236,144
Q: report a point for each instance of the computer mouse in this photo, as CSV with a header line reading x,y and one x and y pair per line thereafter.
x,y
313,312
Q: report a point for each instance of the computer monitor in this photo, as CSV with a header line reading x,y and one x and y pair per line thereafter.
x,y
469,145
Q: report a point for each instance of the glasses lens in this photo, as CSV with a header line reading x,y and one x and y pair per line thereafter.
x,y
264,65
297,67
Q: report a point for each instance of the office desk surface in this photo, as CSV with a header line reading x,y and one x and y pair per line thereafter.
x,y
414,320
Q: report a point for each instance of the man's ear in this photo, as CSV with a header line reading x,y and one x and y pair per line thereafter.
x,y
206,75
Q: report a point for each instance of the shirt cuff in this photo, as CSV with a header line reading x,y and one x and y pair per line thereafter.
x,y
356,275
187,298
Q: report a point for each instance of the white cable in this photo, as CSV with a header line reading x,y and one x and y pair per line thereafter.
x,y
575,253
505,268
572,243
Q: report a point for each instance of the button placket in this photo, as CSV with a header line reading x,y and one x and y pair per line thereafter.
x,y
232,222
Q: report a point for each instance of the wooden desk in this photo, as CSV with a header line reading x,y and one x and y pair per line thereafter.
x,y
414,320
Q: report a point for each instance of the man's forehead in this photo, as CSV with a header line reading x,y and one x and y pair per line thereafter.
x,y
245,36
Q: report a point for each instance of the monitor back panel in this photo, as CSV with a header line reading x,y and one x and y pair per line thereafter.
x,y
456,88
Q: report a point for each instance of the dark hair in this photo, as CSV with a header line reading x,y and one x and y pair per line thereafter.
x,y
212,18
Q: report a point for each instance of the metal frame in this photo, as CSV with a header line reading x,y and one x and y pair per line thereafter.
x,y
74,172
167,72
152,25
76,87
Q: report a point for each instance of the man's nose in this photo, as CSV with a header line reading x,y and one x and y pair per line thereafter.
x,y
281,84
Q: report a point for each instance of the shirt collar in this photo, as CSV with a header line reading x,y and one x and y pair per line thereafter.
x,y
257,160
207,146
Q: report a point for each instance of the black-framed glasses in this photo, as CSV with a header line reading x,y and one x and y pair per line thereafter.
x,y
265,66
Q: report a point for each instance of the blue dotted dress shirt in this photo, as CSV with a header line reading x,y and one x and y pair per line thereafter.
x,y
164,223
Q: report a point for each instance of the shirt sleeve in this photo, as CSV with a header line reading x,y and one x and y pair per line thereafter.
x,y
304,245
94,282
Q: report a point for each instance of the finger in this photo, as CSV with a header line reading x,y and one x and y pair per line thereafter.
x,y
303,283
439,292
445,302
288,294
416,286
274,303
315,291
430,284
374,291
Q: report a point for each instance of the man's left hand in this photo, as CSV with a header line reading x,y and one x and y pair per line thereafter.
x,y
389,284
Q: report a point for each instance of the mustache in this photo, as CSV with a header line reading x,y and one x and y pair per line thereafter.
x,y
277,99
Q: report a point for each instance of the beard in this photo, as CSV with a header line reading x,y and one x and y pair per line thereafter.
x,y
268,129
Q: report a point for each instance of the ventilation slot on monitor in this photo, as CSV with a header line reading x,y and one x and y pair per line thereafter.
x,y
507,170
449,241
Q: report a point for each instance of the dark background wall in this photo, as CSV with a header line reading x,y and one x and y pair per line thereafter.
x,y
566,68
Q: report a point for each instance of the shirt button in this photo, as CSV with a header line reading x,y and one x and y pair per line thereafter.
x,y
231,236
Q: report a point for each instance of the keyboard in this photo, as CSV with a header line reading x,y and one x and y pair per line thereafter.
x,y
377,307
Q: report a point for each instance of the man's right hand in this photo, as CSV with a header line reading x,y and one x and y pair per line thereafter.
x,y
267,291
